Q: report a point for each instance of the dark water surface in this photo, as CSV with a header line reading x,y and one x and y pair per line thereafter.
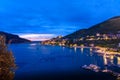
x,y
43,62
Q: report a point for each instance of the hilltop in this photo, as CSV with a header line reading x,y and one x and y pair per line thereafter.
x,y
111,25
13,38
105,34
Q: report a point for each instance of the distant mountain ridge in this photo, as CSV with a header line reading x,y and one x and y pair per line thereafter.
x,y
111,25
13,38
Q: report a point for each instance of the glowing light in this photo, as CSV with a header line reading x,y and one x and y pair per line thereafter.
x,y
91,49
75,49
81,50
111,59
118,58
105,59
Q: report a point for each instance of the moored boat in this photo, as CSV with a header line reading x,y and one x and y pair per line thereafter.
x,y
92,67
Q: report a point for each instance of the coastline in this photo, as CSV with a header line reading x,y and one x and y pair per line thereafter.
x,y
97,49
100,50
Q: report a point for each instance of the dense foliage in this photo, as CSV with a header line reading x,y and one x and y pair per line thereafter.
x,y
7,65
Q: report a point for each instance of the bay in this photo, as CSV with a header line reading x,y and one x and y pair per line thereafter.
x,y
34,59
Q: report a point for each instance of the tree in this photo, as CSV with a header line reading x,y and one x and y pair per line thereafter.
x,y
7,65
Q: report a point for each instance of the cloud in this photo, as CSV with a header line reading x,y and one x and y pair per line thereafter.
x,y
37,37
54,16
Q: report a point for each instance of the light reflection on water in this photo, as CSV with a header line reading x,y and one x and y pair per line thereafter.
x,y
118,61
111,60
82,50
44,58
75,49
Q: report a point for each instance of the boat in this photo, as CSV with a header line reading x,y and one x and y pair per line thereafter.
x,y
107,71
92,67
113,73
33,44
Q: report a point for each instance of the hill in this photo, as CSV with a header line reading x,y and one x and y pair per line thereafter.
x,y
111,25
13,38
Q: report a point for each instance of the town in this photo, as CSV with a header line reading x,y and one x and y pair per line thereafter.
x,y
109,41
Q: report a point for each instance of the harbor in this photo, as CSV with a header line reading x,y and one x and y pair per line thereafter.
x,y
96,68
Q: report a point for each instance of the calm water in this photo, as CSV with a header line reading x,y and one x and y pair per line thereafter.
x,y
39,59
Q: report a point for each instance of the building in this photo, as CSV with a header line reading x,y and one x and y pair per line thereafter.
x,y
97,34
119,45
118,35
59,37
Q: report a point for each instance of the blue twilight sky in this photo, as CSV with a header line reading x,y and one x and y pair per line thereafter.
x,y
43,19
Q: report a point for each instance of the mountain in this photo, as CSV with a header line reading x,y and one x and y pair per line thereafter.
x,y
111,25
13,38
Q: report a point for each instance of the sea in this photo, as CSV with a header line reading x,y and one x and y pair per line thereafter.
x,y
35,61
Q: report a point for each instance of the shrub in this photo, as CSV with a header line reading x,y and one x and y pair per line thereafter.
x,y
7,65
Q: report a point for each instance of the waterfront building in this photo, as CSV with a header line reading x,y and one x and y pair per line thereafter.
x,y
119,45
97,34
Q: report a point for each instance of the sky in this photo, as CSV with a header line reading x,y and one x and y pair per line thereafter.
x,y
44,19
